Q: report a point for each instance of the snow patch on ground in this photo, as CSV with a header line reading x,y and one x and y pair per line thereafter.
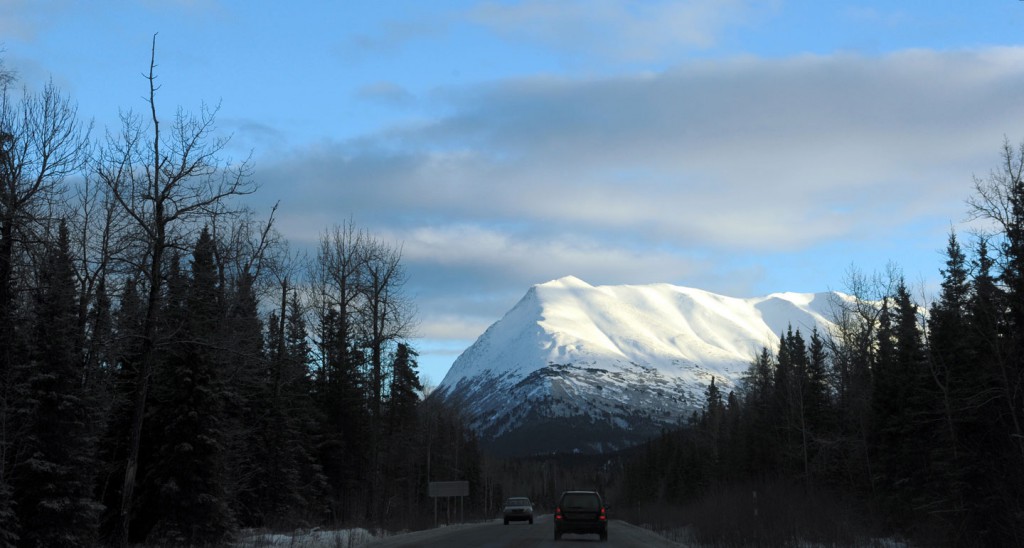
x,y
345,538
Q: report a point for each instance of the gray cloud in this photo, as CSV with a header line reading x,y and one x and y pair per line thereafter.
x,y
614,28
390,37
663,176
388,93
24,20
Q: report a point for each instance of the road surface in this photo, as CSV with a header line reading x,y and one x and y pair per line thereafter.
x,y
494,534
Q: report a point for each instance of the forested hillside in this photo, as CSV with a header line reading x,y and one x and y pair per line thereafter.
x,y
170,371
911,411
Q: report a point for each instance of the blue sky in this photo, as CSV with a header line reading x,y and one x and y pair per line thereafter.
x,y
734,146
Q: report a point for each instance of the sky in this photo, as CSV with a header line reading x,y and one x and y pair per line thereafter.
x,y
734,146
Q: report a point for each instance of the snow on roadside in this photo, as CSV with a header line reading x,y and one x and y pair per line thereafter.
x,y
345,538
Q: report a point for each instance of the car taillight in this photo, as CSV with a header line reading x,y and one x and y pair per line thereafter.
x,y
603,517
558,513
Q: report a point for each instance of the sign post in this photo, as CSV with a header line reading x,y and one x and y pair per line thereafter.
x,y
448,489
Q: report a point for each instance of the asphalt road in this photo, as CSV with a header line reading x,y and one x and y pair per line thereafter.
x,y
518,534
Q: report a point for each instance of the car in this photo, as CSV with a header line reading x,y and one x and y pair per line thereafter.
x,y
581,512
518,509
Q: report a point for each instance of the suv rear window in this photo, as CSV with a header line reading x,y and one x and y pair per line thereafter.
x,y
581,501
518,502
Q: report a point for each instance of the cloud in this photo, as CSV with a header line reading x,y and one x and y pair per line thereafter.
x,y
247,135
388,93
538,255
687,154
392,36
873,15
446,261
617,29
23,20
663,177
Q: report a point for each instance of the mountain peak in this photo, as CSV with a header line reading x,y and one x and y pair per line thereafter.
x,y
569,281
618,361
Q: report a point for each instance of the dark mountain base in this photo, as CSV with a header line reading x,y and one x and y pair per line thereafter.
x,y
576,434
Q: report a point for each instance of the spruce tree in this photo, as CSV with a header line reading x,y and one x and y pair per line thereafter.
x,y
816,395
188,473
54,483
1012,274
289,483
887,414
758,394
953,382
344,448
901,429
401,462
124,352
713,418
297,387
993,491
918,422
242,364
1012,278
404,391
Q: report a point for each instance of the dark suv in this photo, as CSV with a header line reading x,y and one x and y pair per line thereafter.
x,y
581,512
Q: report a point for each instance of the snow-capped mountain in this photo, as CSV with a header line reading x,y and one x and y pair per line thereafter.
x,y
574,367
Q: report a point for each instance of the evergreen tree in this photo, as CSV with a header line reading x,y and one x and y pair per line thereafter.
x,y
984,311
54,484
344,447
188,474
1012,278
712,419
242,363
758,391
8,517
953,381
401,462
289,483
124,352
297,388
816,395
404,392
900,426
992,487
1012,275
733,436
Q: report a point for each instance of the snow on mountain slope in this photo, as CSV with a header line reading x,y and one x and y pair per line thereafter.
x,y
574,367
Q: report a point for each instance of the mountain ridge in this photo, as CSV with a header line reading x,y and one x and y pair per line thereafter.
x,y
620,361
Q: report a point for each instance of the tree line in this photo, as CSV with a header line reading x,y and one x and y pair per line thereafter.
x,y
170,371
915,409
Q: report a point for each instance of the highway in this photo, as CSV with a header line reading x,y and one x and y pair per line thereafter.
x,y
494,534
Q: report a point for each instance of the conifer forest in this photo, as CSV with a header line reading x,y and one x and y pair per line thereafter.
x,y
909,415
172,372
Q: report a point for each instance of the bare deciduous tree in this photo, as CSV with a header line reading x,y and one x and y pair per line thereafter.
x,y
41,143
166,183
999,199
386,313
336,284
992,199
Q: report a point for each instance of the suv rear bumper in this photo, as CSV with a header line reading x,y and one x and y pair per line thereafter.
x,y
585,528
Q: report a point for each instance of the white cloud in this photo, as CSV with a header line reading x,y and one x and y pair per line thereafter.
x,y
667,176
539,256
716,154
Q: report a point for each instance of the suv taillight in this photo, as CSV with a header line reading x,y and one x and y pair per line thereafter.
x,y
558,513
603,516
